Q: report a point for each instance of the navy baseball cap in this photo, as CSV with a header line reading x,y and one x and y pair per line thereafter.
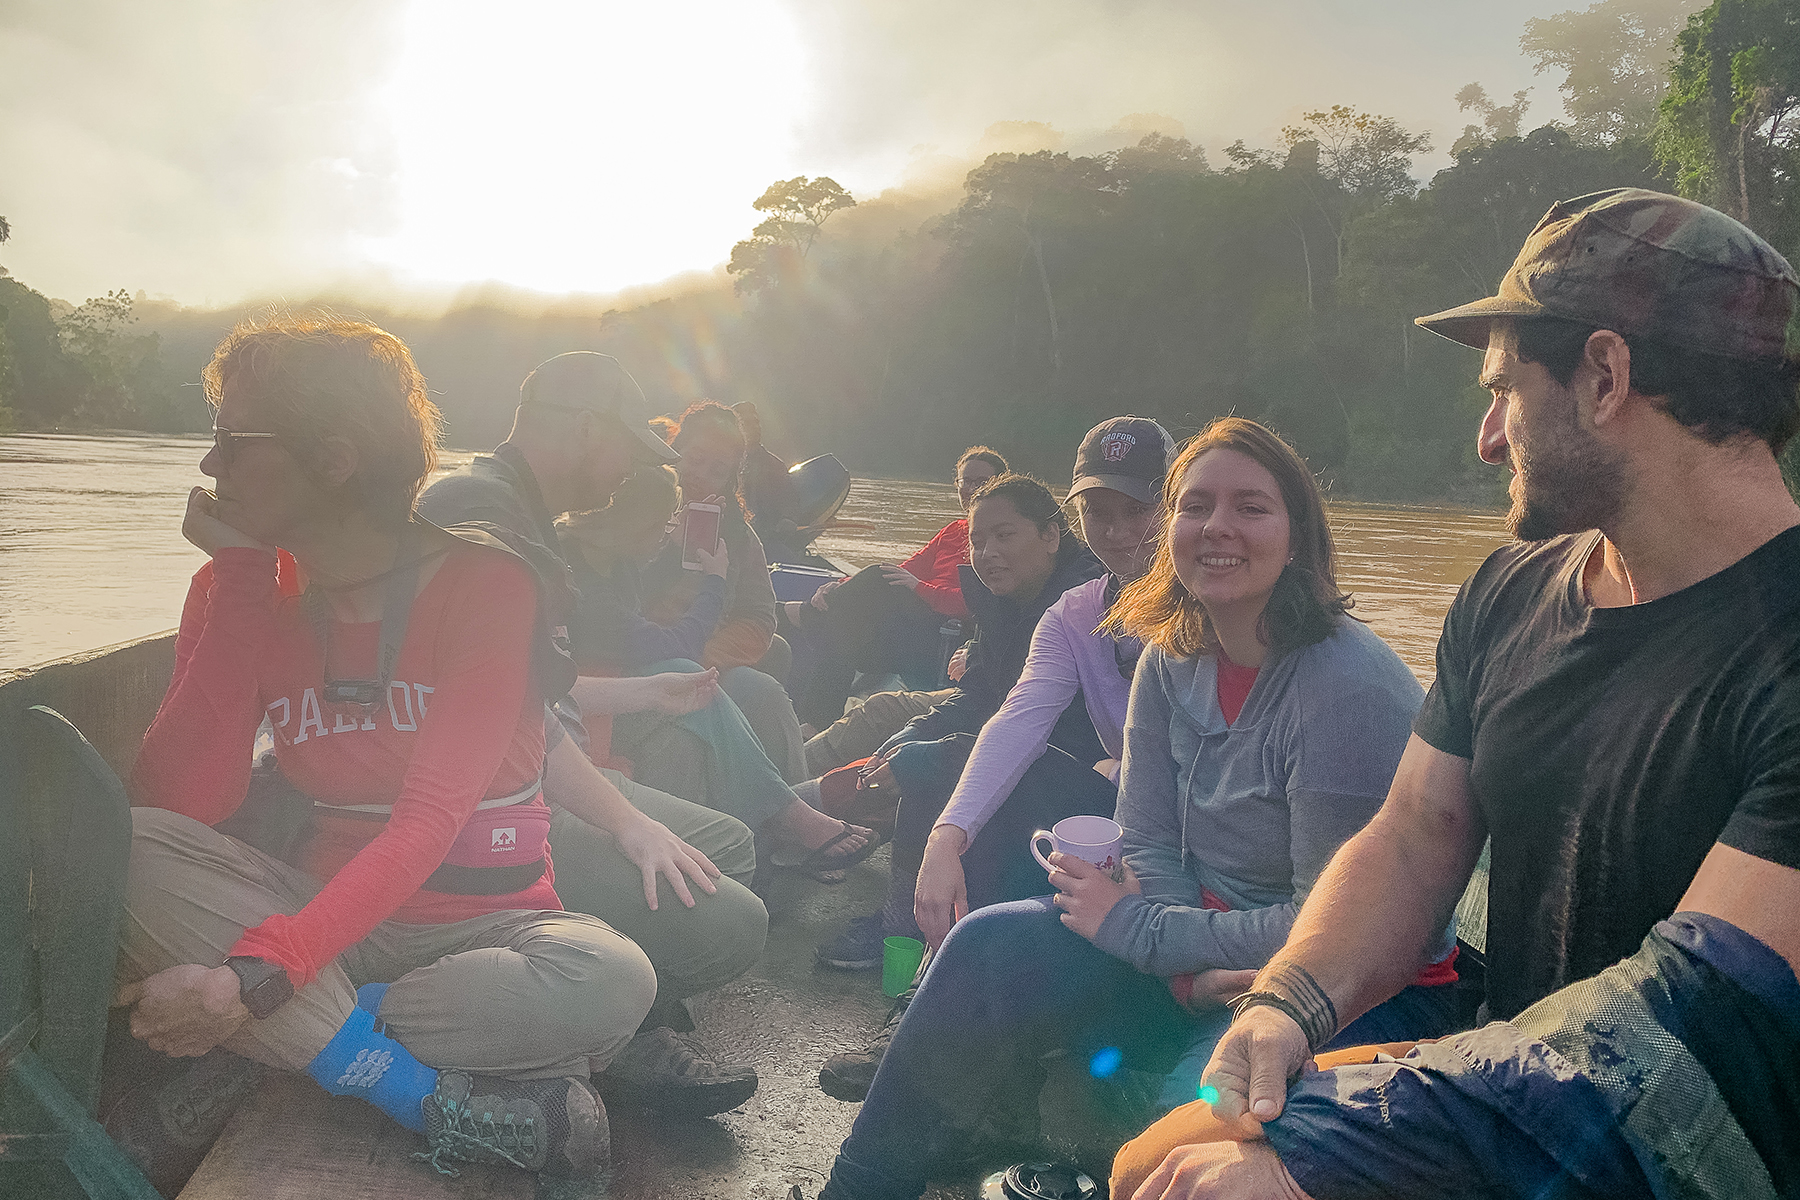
x,y
1127,454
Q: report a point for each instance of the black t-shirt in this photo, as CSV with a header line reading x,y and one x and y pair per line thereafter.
x,y
1611,747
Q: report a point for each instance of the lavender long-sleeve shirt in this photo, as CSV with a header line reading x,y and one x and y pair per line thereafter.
x,y
1065,658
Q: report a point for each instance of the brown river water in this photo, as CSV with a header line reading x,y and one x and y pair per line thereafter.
x,y
91,551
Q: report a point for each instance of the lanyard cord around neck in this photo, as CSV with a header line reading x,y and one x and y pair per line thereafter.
x,y
396,607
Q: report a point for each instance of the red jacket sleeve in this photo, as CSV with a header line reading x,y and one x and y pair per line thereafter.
x,y
935,567
483,652
195,759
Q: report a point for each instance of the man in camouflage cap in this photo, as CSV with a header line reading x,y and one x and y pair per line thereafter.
x,y
1617,707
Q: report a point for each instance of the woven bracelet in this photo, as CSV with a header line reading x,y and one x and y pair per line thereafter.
x,y
1292,989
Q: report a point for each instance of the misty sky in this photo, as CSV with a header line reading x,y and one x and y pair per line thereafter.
x,y
216,150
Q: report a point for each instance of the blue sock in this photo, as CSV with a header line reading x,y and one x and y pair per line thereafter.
x,y
359,1061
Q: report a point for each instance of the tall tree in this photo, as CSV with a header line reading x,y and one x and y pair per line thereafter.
x,y
798,208
1730,126
1365,158
1498,121
1027,200
1616,57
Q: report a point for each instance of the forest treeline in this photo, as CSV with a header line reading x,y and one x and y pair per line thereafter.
x,y
1056,287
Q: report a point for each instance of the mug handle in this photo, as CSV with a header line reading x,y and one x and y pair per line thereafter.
x,y
1043,834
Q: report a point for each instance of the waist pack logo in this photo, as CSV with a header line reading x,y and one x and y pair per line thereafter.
x,y
505,839
367,1069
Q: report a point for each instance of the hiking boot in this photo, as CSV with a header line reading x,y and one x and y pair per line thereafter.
x,y
665,1073
847,1077
166,1128
858,948
553,1126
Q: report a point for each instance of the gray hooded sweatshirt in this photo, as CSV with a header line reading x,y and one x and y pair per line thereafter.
x,y
1251,812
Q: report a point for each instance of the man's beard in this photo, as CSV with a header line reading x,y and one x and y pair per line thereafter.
x,y
1565,481
597,485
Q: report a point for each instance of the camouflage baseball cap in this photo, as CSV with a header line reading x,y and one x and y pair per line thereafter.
x,y
1642,262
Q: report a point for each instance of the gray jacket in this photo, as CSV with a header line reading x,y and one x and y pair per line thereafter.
x,y
1251,812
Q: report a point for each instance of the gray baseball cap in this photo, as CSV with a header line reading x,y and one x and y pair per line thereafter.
x,y
586,381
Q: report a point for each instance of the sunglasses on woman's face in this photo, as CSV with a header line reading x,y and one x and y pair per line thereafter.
x,y
229,441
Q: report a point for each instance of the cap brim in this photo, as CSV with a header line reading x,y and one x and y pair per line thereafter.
x,y
1468,324
649,448
1138,489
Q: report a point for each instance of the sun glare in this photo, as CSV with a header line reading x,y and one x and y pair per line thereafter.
x,y
568,145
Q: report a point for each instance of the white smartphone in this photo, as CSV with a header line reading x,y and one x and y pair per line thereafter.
x,y
702,533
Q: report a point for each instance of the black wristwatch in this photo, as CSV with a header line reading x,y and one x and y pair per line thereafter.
x,y
263,985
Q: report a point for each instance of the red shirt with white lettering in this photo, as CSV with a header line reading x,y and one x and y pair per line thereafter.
x,y
460,723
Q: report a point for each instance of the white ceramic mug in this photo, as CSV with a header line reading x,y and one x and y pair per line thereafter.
x,y
1096,840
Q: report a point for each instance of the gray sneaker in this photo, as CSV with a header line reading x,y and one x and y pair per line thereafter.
x,y
661,1071
553,1126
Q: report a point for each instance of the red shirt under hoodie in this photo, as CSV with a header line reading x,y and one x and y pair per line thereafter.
x,y
461,723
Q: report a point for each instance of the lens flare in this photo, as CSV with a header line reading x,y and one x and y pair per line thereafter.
x,y
1105,1062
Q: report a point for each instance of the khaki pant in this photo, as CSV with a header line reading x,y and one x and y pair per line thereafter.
x,y
693,949
861,733
526,995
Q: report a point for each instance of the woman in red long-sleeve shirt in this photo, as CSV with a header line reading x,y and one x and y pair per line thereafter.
x,y
392,662
885,618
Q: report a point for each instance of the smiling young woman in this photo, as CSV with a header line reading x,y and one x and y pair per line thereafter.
x,y
1242,776
1248,562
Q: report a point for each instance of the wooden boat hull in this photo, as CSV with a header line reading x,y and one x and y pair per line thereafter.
x,y
293,1142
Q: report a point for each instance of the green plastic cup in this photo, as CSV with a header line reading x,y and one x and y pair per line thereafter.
x,y
900,959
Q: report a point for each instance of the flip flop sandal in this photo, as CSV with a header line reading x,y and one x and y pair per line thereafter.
x,y
822,865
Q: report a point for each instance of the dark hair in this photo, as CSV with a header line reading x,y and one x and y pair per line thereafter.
x,y
702,414
1034,500
318,376
992,458
1306,603
1717,397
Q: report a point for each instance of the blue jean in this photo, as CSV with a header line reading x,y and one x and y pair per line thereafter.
x,y
1010,985
998,865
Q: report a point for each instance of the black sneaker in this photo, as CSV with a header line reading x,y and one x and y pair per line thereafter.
x,y
167,1128
553,1126
847,1077
858,948
665,1073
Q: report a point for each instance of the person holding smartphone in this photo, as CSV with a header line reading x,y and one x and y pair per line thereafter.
x,y
742,644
